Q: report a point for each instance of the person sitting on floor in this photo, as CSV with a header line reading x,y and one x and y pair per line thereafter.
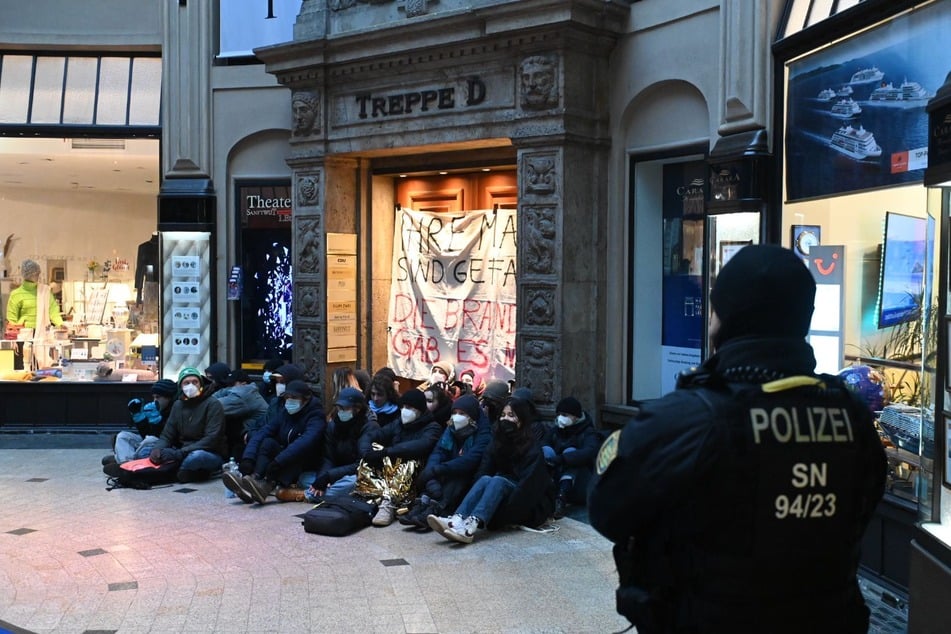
x,y
384,398
149,421
450,467
409,439
194,435
243,405
278,452
570,447
512,485
348,438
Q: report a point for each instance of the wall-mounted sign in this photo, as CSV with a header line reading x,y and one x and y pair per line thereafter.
x,y
341,297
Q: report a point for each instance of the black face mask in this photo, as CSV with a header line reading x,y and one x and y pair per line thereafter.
x,y
508,427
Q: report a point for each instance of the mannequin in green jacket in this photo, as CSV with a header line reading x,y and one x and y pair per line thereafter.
x,y
21,308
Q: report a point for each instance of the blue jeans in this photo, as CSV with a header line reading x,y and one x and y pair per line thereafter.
x,y
485,497
201,459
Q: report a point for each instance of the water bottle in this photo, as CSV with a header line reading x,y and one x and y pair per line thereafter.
x,y
231,466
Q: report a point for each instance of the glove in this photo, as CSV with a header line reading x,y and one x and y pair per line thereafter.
x,y
558,460
169,454
374,457
272,471
246,466
155,456
320,482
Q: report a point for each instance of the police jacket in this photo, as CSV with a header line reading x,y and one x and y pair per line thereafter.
x,y
300,434
737,502
346,443
413,441
195,423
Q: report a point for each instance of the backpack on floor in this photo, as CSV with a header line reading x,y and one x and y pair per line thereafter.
x,y
339,515
141,474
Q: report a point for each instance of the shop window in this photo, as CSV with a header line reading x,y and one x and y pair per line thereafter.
x,y
108,90
856,137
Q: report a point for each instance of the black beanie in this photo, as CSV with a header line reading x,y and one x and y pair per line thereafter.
x,y
218,372
415,399
469,404
763,290
165,387
569,405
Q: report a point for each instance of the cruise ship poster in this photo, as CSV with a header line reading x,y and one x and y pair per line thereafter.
x,y
890,73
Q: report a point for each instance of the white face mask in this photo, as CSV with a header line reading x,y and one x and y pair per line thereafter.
x,y
564,421
459,421
438,377
345,415
408,415
279,388
190,391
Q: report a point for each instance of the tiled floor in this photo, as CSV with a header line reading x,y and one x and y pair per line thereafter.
x,y
75,557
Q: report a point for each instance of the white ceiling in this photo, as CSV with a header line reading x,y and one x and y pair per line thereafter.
x,y
48,164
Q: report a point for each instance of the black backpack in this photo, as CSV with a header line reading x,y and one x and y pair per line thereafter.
x,y
145,476
339,515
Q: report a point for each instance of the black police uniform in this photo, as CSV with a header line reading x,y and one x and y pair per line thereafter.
x,y
737,502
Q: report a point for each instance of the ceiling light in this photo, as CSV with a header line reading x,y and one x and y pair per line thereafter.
x,y
486,169
443,172
402,175
97,144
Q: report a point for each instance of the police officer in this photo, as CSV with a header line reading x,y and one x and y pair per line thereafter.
x,y
737,502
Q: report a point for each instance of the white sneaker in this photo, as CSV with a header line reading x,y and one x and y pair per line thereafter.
x,y
443,524
464,533
385,514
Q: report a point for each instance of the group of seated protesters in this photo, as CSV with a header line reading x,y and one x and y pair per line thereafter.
x,y
456,457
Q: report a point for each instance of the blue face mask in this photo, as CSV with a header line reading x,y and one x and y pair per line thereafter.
x,y
266,377
292,406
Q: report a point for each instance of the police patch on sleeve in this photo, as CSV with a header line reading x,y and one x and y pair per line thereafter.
x,y
608,452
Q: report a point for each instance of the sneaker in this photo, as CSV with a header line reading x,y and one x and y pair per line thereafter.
x,y
561,508
385,514
259,489
442,524
289,494
235,484
464,533
109,459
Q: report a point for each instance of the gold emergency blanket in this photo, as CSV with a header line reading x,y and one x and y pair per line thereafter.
x,y
393,480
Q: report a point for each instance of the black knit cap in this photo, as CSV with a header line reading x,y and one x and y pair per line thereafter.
x,y
218,372
763,290
289,372
468,404
415,399
569,405
165,387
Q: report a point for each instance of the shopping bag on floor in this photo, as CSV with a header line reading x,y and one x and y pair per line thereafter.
x,y
339,515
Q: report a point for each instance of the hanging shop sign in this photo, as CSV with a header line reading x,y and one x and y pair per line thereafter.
x,y
453,294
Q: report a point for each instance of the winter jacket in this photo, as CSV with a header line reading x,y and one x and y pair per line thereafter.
x,y
410,442
454,459
533,499
738,501
21,306
244,402
582,436
346,443
195,423
300,434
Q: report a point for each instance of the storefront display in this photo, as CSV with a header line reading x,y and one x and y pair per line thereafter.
x,y
855,152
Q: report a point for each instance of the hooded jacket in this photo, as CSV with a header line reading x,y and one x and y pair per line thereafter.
x,y
346,443
195,423
300,434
